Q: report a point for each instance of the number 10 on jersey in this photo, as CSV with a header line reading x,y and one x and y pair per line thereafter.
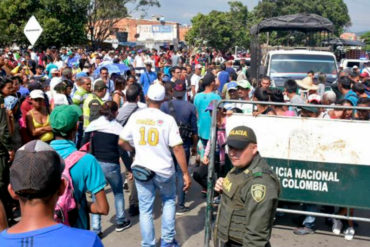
x,y
150,136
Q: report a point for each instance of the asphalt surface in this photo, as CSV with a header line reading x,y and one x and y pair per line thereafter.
x,y
190,227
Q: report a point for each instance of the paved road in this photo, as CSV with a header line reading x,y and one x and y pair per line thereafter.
x,y
189,228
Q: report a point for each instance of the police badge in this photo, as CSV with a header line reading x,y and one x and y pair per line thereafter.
x,y
258,192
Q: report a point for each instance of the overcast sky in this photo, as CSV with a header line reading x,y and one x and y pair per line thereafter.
x,y
183,10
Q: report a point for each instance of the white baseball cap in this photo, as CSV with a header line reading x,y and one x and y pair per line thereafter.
x,y
52,71
37,94
198,66
156,92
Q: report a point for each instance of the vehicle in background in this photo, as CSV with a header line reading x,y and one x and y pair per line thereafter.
x,y
282,65
349,63
236,62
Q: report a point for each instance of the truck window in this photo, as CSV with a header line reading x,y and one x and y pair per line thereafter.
x,y
351,64
301,63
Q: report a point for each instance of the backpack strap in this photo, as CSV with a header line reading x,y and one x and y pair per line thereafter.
x,y
72,159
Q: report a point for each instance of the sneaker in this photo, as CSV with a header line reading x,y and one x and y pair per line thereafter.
x,y
349,233
303,231
133,211
182,210
120,227
173,244
337,226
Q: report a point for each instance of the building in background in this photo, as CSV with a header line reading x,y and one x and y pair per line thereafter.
x,y
155,33
348,36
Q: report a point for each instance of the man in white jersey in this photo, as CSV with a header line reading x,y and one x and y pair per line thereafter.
x,y
153,134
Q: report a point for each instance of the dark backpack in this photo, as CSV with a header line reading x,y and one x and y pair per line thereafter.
x,y
94,106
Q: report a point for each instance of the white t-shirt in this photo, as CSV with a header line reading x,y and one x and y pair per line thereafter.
x,y
195,81
152,133
139,62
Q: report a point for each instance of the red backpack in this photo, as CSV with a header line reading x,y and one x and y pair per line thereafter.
x,y
66,209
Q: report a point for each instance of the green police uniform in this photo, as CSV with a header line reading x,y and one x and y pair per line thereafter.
x,y
248,205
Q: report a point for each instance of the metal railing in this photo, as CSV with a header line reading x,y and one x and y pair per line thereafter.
x,y
212,175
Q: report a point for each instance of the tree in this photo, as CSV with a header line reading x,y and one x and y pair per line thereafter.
x,y
63,21
104,14
366,38
335,10
220,30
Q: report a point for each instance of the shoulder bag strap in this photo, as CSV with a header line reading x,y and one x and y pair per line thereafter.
x,y
171,109
132,112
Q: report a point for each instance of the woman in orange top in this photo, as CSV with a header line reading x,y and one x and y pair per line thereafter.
x,y
38,118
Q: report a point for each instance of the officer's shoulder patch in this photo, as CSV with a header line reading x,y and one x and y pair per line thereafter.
x,y
258,192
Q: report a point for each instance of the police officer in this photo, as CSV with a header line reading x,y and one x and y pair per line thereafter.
x,y
93,102
250,194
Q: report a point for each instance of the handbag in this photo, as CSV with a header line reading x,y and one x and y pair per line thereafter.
x,y
141,173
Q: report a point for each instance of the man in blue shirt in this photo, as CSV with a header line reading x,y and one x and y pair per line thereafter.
x,y
344,86
86,174
148,77
36,182
223,77
201,102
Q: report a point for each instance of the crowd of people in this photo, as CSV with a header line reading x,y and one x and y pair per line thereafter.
x,y
151,113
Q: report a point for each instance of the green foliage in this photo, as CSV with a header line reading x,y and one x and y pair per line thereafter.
x,y
335,10
221,30
366,38
63,21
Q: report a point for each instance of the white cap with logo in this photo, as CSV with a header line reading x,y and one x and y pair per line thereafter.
x,y
156,92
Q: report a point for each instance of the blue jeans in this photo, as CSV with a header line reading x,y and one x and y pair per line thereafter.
x,y
146,195
180,178
112,173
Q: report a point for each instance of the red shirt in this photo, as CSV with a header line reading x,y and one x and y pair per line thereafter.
x,y
156,60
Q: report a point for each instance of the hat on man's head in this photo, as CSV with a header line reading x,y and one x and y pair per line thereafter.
x,y
99,85
179,88
244,84
54,70
81,74
198,66
232,86
64,118
36,170
307,83
156,92
239,137
37,94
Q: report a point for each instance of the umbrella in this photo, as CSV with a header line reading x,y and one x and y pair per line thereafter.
x,y
116,68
